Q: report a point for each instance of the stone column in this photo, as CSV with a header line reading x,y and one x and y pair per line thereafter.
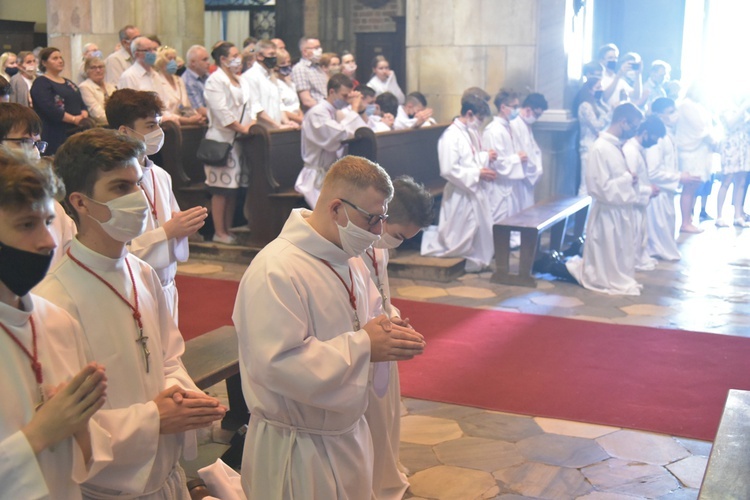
x,y
73,23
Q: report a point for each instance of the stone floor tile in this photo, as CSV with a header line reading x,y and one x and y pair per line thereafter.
x,y
696,447
543,310
603,495
689,471
417,457
648,321
681,494
444,410
648,310
593,318
544,481
417,405
419,429
199,268
448,483
572,429
478,453
497,425
544,285
561,450
470,292
631,478
645,447
421,292
557,301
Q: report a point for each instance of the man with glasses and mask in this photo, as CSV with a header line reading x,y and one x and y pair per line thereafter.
x,y
309,322
141,75
120,60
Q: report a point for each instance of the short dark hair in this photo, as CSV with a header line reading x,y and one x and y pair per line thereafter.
x,y
25,181
604,49
388,103
221,49
411,203
653,126
535,101
15,116
478,92
81,159
593,68
626,111
662,104
125,106
505,96
44,55
122,34
365,90
475,104
417,98
337,81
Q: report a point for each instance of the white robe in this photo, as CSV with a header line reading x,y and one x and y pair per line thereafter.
x,y
55,472
524,136
321,137
389,85
608,263
153,246
692,137
145,462
663,171
502,193
384,408
634,156
305,369
63,230
465,225
402,121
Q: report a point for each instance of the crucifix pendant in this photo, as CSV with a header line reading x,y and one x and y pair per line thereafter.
x,y
356,322
146,353
41,399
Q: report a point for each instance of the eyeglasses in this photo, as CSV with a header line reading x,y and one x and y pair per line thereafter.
x,y
372,219
145,50
28,142
96,68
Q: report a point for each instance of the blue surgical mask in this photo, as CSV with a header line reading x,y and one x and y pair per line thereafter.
x,y
371,109
340,104
513,114
150,58
96,53
172,67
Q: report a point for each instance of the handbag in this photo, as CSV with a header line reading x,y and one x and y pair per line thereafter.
x,y
216,153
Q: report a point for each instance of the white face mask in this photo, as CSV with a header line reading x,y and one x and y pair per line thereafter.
x,y
530,120
154,140
128,216
235,64
354,239
387,241
316,53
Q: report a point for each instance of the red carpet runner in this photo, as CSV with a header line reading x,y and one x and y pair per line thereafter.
x,y
668,381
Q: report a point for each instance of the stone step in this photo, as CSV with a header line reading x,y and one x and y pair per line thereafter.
x,y
409,264
238,254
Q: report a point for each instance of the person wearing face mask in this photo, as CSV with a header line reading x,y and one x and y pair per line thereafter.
x,y
290,105
264,90
653,87
635,149
627,87
349,67
531,109
608,262
367,107
593,117
172,91
384,79
511,163
325,126
414,113
310,323
47,442
8,65
465,225
89,50
164,242
386,110
308,76
21,82
152,404
409,211
331,64
195,76
141,75
228,99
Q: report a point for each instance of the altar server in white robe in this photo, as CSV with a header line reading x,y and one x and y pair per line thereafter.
x,y
152,404
164,243
408,212
44,450
309,323
511,163
532,108
465,225
325,125
608,262
414,113
649,132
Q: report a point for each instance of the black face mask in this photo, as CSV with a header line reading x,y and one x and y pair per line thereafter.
x,y
412,115
269,62
285,70
20,270
598,94
612,65
11,71
648,142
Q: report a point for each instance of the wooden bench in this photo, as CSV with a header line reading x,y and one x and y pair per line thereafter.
x,y
531,223
728,473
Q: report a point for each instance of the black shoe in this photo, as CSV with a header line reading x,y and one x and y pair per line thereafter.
x,y
543,263
575,248
704,216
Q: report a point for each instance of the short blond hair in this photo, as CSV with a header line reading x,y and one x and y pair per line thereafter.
x,y
327,58
358,173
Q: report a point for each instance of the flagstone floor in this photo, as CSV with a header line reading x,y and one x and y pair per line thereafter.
x,y
463,453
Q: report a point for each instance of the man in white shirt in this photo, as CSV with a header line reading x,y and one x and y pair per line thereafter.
x,y
414,113
152,404
265,93
465,225
309,323
120,60
387,104
141,75
329,122
532,108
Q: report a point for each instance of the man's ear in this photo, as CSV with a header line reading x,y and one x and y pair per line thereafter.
x,y
75,201
123,129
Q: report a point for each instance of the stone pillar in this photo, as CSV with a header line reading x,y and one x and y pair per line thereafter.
x,y
73,23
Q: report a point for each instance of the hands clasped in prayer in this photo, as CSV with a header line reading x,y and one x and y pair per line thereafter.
x,y
393,340
181,410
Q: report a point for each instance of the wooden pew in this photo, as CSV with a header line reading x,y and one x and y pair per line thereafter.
x,y
531,223
728,472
